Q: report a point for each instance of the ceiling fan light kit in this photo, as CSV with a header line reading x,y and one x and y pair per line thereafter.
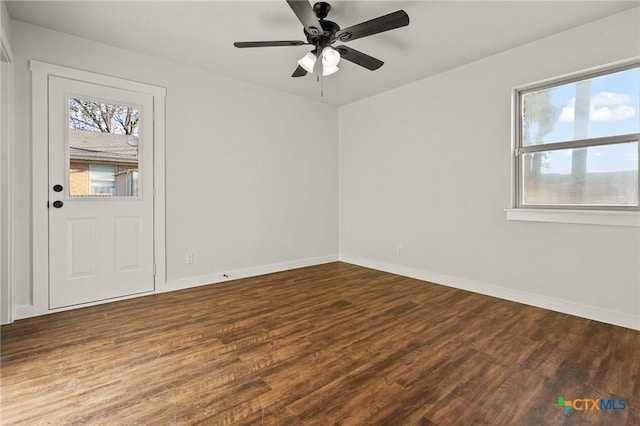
x,y
329,70
330,59
308,61
322,34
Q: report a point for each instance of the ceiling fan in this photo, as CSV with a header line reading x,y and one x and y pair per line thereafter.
x,y
322,34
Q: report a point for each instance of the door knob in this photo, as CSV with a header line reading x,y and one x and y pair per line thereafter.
x,y
57,188
57,204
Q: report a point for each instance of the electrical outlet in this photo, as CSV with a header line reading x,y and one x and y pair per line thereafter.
x,y
190,258
399,249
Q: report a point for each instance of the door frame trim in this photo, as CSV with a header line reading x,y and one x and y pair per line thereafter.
x,y
40,72
6,184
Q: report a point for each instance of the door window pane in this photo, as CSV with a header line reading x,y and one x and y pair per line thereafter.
x,y
104,149
603,175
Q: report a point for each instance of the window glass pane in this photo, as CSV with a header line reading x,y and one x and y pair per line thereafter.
x,y
103,172
104,148
102,179
603,106
603,175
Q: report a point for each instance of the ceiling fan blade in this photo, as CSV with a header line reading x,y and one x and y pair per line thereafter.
x,y
306,15
383,23
357,57
268,43
299,72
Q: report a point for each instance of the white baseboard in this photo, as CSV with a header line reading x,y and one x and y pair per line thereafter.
x,y
247,272
585,311
22,311
27,311
545,302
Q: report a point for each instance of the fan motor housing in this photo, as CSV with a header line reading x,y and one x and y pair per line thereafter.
x,y
329,28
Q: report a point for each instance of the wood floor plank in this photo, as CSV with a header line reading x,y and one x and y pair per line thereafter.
x,y
329,344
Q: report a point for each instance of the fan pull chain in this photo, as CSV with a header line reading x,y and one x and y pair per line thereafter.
x,y
320,71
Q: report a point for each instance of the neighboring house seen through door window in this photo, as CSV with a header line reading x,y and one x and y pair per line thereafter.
x,y
103,148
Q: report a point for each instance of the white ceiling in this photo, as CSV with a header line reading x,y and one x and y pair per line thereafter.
x,y
441,35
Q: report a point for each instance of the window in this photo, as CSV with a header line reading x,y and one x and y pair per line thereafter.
x,y
102,179
576,141
106,136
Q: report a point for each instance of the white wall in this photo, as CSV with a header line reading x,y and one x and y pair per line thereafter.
x,y
428,166
249,189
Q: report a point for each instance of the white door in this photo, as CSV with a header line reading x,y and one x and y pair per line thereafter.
x,y
100,193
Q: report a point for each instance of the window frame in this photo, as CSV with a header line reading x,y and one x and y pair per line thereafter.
x,y
518,149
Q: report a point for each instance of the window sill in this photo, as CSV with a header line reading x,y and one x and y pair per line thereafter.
x,y
589,217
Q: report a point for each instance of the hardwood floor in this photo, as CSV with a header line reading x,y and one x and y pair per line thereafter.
x,y
329,344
